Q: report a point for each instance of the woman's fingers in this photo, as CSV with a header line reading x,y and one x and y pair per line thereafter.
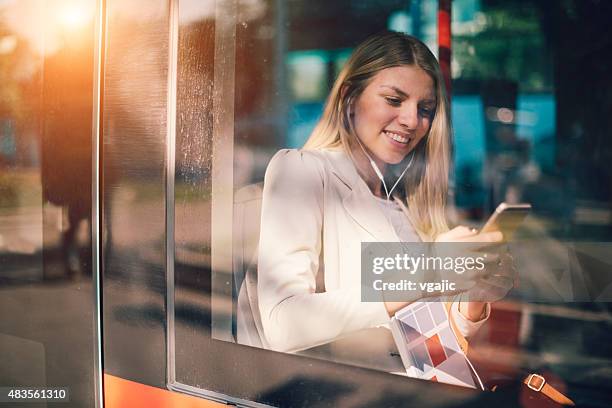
x,y
492,237
490,258
485,237
457,234
393,307
489,289
466,234
494,278
489,243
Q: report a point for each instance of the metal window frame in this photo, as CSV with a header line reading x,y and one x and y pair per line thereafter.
x,y
170,177
99,37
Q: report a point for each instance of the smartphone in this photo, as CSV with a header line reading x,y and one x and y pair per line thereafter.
x,y
507,218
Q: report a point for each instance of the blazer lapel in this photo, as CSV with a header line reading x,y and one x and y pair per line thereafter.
x,y
367,213
359,201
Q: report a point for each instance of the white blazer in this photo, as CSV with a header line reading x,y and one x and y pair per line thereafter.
x,y
316,211
315,203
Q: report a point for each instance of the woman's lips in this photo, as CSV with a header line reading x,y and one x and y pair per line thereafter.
x,y
398,137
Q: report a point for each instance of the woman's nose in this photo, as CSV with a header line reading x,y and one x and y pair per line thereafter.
x,y
409,117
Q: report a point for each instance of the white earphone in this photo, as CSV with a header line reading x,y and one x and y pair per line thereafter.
x,y
373,164
379,173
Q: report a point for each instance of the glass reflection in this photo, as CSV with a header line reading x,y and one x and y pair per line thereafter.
x,y
46,66
133,221
519,136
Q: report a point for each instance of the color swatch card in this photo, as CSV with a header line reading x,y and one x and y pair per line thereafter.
x,y
428,346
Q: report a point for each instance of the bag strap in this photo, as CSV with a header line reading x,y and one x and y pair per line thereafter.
x,y
538,383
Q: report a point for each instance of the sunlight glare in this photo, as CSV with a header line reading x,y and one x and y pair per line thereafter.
x,y
73,16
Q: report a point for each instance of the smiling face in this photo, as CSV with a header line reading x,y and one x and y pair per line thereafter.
x,y
394,112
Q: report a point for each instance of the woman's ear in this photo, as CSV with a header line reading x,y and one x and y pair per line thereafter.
x,y
344,90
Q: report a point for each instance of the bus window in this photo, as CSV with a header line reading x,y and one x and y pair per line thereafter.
x,y
247,79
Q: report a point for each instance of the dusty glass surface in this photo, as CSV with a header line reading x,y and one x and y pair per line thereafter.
x,y
194,149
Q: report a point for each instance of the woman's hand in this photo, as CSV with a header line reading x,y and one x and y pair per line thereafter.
x,y
491,284
473,311
499,272
394,307
465,234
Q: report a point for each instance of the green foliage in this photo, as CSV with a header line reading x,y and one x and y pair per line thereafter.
x,y
508,43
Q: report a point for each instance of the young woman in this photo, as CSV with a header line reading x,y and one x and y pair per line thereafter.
x,y
374,169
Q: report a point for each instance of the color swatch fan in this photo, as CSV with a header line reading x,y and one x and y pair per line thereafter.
x,y
428,346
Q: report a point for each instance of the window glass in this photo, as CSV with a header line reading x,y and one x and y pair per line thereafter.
x,y
46,295
21,204
255,79
134,225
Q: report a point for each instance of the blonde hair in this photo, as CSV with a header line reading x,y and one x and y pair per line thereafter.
x,y
426,184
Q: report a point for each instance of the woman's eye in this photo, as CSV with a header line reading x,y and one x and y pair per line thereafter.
x,y
393,101
426,112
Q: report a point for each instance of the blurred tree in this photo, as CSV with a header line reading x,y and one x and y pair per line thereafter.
x,y
505,41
